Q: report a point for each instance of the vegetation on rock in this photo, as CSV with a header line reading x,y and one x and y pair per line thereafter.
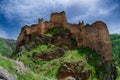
x,y
45,59
7,46
60,59
116,51
49,51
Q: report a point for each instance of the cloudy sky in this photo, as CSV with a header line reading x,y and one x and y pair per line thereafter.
x,y
14,14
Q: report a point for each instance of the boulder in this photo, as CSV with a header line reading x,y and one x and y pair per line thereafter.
x,y
5,75
20,68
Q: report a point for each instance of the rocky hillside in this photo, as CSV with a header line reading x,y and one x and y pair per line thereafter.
x,y
58,50
95,36
15,70
7,46
49,69
55,55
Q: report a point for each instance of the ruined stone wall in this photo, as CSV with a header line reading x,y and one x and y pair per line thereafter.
x,y
95,36
58,18
98,39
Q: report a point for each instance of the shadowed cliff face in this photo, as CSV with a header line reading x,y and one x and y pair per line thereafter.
x,y
95,36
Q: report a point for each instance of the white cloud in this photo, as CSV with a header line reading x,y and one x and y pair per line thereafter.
x,y
29,10
106,11
114,28
97,9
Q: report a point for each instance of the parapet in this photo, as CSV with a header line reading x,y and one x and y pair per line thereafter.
x,y
58,18
95,36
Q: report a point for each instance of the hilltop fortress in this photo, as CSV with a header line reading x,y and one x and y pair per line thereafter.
x,y
95,36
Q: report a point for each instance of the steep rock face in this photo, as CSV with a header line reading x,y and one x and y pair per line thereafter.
x,y
95,36
98,39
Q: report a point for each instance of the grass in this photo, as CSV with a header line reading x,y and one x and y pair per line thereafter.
x,y
44,65
116,51
118,73
53,31
8,65
116,47
47,70
4,48
93,59
50,68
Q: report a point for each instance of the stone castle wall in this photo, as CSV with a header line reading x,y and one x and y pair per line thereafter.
x,y
95,36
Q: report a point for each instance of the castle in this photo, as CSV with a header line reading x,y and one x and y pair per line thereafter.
x,y
95,36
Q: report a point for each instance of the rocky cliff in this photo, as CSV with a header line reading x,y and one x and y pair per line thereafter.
x,y
95,36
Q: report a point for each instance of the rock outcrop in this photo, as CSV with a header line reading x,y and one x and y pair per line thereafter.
x,y
5,75
95,36
73,70
20,68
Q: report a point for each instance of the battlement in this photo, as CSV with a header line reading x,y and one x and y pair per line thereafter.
x,y
95,36
58,18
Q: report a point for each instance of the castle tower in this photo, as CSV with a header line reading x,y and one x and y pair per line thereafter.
x,y
41,26
58,19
